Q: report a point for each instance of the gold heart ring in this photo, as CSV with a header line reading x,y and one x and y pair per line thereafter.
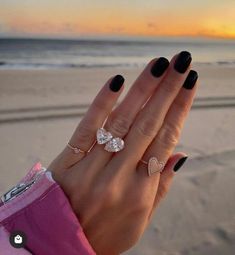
x,y
154,165
76,150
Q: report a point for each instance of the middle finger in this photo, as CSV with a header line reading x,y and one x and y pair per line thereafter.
x,y
120,120
151,117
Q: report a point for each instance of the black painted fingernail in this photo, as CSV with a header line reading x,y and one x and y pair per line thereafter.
x,y
116,83
159,67
180,163
191,80
183,61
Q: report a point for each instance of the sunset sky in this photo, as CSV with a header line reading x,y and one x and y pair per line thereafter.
x,y
74,18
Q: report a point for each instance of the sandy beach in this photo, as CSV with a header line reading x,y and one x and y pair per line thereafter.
x,y
39,110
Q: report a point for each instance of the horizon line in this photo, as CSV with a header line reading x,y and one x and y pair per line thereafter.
x,y
117,37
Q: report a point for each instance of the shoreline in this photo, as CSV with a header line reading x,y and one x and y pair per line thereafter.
x,y
36,88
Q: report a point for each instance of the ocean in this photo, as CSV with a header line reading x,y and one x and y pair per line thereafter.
x,y
90,53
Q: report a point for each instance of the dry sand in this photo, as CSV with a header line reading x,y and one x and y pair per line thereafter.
x,y
40,109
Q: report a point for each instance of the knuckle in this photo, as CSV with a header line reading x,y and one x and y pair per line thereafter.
x,y
182,105
169,134
99,104
85,133
141,88
163,190
147,127
169,86
118,125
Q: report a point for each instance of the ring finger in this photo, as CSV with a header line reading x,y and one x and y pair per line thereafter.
x,y
164,143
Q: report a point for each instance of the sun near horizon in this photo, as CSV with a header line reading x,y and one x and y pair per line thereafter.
x,y
73,18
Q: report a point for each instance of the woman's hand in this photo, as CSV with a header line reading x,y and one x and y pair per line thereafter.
x,y
111,193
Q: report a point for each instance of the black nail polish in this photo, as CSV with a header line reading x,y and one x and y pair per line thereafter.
x,y
159,67
180,163
191,80
183,61
116,83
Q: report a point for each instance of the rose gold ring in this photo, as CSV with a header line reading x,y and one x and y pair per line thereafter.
x,y
143,161
154,165
76,150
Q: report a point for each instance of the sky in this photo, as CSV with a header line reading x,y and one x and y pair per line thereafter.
x,y
84,18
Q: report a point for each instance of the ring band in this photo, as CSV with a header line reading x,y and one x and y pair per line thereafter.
x,y
144,162
76,150
154,165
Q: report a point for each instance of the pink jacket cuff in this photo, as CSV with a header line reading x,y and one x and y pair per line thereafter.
x,y
44,214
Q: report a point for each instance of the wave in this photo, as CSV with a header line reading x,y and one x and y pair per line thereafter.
x,y
44,66
226,62
5,65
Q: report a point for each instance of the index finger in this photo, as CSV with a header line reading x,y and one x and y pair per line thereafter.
x,y
84,136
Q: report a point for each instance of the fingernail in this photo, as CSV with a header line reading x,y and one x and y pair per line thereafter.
x,y
159,67
116,83
191,80
183,61
180,163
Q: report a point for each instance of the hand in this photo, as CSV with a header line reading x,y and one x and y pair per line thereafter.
x,y
112,194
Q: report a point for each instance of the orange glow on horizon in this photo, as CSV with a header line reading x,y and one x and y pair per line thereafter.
x,y
76,28
108,22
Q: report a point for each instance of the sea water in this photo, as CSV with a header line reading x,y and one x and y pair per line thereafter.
x,y
126,52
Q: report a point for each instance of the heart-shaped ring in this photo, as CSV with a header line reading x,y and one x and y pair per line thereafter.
x,y
154,165
111,144
114,145
103,136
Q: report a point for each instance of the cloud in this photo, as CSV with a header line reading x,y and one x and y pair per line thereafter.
x,y
152,25
116,29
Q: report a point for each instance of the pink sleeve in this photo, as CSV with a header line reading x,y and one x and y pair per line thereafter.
x,y
44,214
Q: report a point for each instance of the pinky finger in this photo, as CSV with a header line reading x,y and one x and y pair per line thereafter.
x,y
174,163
